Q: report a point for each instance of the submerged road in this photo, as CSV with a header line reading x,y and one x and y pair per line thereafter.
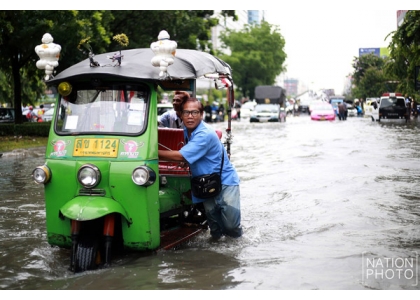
x,y
325,205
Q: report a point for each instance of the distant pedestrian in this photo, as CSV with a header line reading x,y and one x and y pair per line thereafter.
x,y
207,111
238,109
408,107
407,99
362,106
345,110
41,110
414,107
31,115
221,111
341,111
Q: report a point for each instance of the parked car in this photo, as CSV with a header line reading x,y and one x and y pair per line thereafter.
x,y
351,110
164,107
392,106
323,112
7,115
265,113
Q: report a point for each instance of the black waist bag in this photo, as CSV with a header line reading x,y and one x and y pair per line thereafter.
x,y
206,186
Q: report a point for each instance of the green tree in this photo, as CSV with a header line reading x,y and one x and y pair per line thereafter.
x,y
23,30
257,55
191,29
405,52
370,79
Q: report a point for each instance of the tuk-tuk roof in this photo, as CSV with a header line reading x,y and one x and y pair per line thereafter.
x,y
136,64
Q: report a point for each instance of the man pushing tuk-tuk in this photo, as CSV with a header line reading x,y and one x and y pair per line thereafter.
x,y
206,156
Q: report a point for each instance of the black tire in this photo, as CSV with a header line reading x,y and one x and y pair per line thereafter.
x,y
87,251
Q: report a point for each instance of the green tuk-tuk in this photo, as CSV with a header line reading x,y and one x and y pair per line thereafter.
x,y
106,191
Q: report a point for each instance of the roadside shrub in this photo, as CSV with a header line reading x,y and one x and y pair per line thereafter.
x,y
25,129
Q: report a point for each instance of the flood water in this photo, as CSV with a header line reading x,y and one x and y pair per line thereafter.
x,y
325,205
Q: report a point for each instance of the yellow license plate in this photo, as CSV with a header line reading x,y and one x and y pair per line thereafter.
x,y
96,147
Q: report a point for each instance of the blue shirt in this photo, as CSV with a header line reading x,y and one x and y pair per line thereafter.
x,y
203,152
170,119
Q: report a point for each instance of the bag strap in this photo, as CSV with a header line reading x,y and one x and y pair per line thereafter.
x,y
221,166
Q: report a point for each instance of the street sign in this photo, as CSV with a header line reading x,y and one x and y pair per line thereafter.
x,y
374,51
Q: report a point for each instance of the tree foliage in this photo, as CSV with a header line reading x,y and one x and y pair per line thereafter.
x,y
405,52
369,77
22,31
257,55
191,29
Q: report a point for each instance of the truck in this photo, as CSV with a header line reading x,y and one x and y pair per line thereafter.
x,y
272,94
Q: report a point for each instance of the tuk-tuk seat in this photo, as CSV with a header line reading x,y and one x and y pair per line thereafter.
x,y
171,139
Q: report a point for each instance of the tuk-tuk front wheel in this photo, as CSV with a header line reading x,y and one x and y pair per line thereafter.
x,y
87,255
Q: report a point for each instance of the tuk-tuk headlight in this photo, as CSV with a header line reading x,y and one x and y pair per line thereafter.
x,y
41,174
89,176
144,176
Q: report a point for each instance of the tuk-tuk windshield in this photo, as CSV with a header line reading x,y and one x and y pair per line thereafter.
x,y
122,110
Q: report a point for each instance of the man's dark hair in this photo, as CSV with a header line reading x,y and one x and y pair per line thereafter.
x,y
192,99
184,95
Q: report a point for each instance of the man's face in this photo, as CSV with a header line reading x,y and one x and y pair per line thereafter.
x,y
190,121
176,102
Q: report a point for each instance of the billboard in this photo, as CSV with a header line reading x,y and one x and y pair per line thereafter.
x,y
379,52
363,51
